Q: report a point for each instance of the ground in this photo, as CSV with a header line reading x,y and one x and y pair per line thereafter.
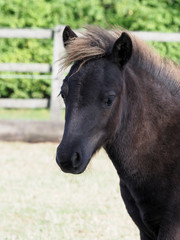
x,y
38,201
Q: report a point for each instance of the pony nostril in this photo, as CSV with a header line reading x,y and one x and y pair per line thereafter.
x,y
66,164
75,159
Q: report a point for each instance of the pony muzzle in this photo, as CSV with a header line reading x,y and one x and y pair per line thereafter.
x,y
70,162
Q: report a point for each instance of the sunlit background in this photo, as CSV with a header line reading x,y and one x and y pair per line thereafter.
x,y
37,200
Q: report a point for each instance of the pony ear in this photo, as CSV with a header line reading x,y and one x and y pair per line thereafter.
x,y
68,35
122,50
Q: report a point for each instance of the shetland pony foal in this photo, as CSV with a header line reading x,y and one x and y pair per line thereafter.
x,y
121,95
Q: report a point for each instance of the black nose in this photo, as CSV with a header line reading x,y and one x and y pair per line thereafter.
x,y
76,160
69,162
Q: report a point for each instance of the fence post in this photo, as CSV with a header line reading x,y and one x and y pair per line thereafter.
x,y
56,104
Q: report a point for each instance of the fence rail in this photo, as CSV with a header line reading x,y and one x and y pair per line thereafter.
x,y
26,33
23,76
25,67
49,33
158,36
56,35
24,103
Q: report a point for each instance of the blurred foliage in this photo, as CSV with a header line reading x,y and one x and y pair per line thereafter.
x,y
25,88
150,15
143,15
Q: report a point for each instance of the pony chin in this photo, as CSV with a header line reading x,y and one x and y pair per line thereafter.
x,y
77,170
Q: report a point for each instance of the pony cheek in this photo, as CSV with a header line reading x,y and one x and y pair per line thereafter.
x,y
114,121
96,142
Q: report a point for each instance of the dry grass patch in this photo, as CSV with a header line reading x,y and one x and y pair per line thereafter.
x,y
38,201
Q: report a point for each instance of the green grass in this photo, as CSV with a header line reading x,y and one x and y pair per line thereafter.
x,y
25,114
40,202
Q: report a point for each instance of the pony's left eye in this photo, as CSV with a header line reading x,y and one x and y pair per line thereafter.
x,y
62,94
109,100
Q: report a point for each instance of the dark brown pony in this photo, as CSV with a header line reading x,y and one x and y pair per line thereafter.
x,y
122,96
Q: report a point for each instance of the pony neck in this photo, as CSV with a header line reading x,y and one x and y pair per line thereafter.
x,y
150,117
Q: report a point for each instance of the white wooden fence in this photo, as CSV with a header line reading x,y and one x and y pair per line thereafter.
x,y
55,103
56,34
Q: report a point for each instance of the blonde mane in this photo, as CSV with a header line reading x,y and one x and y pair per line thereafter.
x,y
98,42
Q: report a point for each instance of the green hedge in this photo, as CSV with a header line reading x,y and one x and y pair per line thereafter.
x,y
147,15
25,88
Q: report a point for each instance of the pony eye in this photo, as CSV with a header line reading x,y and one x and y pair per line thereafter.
x,y
62,95
108,102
